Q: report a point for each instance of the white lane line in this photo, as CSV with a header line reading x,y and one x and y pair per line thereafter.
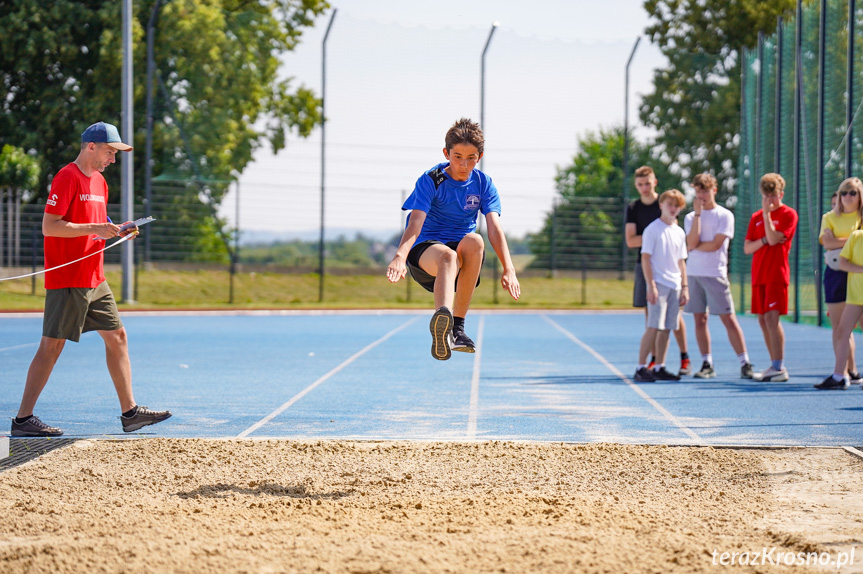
x,y
311,387
24,346
474,382
673,419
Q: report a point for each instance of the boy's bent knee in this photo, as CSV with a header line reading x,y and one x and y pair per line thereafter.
x,y
471,243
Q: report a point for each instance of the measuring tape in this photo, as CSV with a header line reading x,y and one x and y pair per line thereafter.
x,y
115,244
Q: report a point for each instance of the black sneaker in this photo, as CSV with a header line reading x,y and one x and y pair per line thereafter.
x,y
461,342
643,375
831,384
143,417
441,329
34,427
855,377
706,371
746,371
663,375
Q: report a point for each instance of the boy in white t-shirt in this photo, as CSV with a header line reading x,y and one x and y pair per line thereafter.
x,y
709,228
663,260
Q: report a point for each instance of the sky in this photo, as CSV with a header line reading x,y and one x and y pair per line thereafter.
x,y
400,73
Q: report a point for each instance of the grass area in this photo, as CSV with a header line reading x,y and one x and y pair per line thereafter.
x,y
164,289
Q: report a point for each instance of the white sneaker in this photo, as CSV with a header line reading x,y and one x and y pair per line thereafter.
x,y
770,374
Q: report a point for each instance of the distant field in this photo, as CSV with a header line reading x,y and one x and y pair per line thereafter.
x,y
210,289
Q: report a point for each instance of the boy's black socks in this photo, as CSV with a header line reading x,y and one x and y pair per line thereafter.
x,y
458,322
131,412
684,356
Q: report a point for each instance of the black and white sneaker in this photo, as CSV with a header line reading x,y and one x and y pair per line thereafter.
x,y
746,371
440,327
461,342
643,375
831,384
664,375
855,377
143,417
32,426
706,371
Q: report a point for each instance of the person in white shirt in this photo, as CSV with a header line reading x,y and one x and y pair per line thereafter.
x,y
709,228
663,260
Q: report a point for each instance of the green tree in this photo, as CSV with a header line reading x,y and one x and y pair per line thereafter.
x,y
19,172
587,219
218,61
695,103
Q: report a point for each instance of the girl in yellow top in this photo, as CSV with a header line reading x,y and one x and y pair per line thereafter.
x,y
843,289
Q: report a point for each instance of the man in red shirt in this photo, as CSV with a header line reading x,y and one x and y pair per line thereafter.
x,y
768,240
77,297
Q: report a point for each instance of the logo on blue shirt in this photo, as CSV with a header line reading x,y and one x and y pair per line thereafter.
x,y
471,202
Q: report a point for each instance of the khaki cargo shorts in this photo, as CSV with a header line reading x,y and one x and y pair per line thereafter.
x,y
71,311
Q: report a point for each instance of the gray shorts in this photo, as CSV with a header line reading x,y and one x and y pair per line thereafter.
x,y
71,311
663,314
709,293
639,288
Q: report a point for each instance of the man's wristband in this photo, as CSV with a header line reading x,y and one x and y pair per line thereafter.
x,y
696,215
764,240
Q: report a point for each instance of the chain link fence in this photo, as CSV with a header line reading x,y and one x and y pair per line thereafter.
x,y
802,90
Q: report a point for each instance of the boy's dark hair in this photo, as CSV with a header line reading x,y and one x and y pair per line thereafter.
x,y
645,171
465,131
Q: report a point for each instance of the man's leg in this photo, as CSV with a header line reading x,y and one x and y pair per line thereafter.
x,y
680,335
648,344
470,251
37,376
441,262
762,322
702,334
662,338
735,333
119,366
776,342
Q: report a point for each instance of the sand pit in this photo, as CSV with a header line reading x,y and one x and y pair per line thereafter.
x,y
172,505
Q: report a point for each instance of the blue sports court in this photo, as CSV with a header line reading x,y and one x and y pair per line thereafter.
x,y
546,376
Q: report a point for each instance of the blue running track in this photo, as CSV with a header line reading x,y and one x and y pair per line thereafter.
x,y
550,376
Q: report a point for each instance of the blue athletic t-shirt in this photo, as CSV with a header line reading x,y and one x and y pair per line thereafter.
x,y
451,206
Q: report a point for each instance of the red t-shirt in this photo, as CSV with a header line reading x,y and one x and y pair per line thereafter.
x,y
78,199
770,263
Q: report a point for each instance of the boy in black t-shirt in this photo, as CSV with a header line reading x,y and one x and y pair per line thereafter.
x,y
639,214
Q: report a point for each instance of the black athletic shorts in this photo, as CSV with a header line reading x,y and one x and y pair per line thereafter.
x,y
420,276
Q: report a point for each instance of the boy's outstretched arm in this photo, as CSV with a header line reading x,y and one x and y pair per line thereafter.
x,y
498,242
398,266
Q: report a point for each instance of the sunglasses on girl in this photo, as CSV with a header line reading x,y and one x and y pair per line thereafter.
x,y
851,193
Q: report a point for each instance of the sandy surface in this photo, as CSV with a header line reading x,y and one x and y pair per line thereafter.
x,y
171,505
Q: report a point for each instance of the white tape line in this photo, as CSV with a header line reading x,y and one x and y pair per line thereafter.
x,y
473,411
115,244
674,420
4,447
24,346
311,387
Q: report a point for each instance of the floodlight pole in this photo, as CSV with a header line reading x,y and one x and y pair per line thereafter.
x,y
323,151
494,26
849,110
148,150
127,202
624,192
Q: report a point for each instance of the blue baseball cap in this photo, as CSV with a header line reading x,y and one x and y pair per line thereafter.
x,y
100,132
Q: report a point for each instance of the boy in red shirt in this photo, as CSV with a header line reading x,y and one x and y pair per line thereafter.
x,y
768,240
77,297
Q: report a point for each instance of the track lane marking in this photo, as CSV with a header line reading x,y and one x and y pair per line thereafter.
x,y
322,379
473,410
662,410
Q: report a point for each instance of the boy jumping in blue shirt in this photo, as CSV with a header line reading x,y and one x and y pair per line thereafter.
x,y
440,244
